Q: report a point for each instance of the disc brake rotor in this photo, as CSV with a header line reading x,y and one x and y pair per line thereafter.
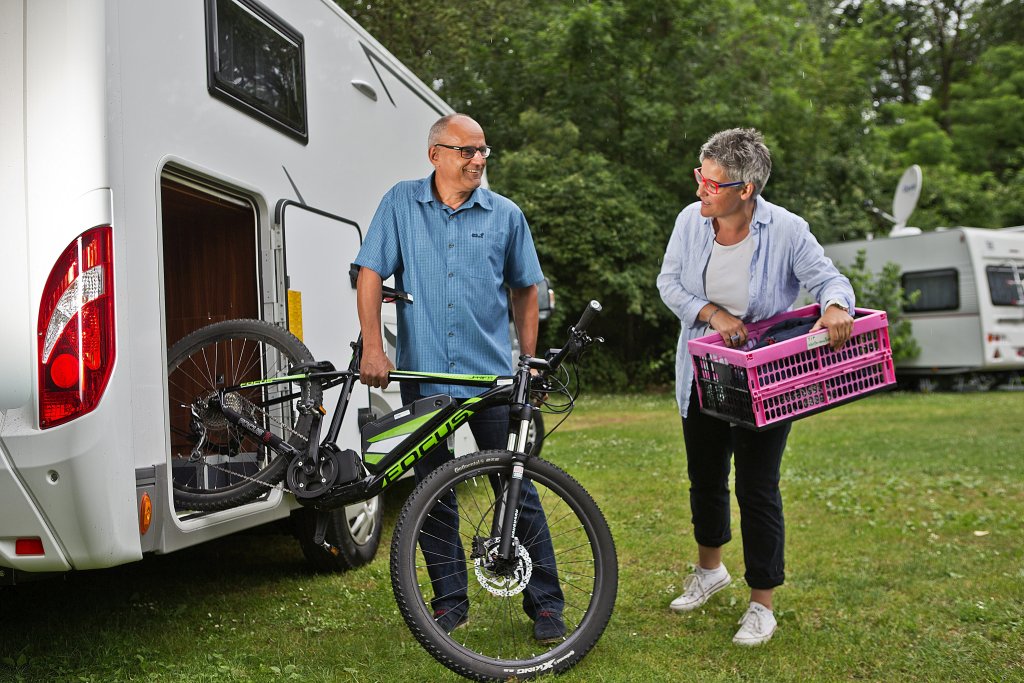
x,y
506,583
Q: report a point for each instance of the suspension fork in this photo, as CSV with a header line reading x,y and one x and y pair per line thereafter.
x,y
520,417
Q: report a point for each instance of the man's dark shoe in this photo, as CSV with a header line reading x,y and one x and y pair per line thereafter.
x,y
451,619
549,627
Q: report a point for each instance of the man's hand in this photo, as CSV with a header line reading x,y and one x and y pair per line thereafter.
x,y
374,368
839,324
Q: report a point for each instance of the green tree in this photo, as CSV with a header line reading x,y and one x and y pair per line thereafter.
x,y
884,292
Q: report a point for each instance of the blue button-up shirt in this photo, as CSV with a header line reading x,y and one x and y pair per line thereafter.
x,y
457,265
786,256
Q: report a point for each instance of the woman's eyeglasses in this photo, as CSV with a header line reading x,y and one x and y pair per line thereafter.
x,y
713,186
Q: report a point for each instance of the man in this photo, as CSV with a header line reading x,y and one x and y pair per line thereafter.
x,y
456,246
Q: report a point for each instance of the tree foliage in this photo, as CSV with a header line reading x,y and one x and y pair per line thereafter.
x,y
597,110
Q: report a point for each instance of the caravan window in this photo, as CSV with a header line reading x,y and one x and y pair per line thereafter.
x,y
255,62
940,290
1005,286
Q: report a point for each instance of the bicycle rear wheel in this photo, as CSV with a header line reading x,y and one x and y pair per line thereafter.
x,y
497,642
229,467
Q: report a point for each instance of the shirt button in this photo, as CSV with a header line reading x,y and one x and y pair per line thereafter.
x,y
451,305
451,334
451,245
451,365
451,274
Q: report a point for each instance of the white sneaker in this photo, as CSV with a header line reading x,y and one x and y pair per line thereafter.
x,y
698,587
756,626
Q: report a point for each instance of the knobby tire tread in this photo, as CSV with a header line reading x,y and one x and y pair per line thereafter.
x,y
407,599
256,330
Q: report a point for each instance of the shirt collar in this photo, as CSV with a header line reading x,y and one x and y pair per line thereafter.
x,y
425,195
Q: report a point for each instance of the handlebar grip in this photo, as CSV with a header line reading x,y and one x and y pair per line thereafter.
x,y
591,311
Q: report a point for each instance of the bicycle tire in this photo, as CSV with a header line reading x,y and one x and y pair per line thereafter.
x,y
535,435
496,644
233,468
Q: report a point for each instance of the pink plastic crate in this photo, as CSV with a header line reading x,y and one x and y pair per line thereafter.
x,y
792,378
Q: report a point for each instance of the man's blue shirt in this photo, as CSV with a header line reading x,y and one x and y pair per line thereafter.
x,y
457,265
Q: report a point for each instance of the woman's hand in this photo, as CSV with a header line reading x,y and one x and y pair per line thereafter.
x,y
732,329
839,324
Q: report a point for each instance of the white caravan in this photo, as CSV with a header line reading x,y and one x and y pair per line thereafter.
x,y
969,316
165,165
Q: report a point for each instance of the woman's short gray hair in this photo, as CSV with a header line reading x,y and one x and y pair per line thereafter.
x,y
742,154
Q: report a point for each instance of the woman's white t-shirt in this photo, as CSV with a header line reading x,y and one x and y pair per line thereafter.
x,y
727,279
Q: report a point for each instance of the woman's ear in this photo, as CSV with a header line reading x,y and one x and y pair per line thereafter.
x,y
747,192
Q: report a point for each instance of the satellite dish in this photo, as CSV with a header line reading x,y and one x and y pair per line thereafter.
x,y
908,191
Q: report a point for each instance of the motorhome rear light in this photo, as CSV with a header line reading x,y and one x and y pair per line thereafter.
x,y
76,329
28,546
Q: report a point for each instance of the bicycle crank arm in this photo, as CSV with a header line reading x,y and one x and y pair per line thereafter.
x,y
320,533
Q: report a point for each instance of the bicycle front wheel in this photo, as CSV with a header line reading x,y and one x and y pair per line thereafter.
x,y
214,464
564,567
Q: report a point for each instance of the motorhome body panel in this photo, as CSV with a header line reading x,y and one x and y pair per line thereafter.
x,y
116,103
15,344
958,338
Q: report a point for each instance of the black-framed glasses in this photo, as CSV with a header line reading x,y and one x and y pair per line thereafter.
x,y
712,186
467,152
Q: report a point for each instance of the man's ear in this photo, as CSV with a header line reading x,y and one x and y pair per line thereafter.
x,y
747,192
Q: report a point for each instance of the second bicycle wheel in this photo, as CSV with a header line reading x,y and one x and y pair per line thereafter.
x,y
565,566
214,464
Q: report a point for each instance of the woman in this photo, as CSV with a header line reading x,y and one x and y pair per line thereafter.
x,y
734,259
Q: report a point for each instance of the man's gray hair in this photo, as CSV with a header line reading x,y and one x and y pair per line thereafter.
x,y
742,154
440,127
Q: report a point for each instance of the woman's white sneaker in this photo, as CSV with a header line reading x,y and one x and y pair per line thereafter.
x,y
699,586
756,626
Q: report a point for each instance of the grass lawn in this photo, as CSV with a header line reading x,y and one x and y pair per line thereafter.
x,y
905,562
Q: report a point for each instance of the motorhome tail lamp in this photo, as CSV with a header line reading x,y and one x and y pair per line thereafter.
x,y
76,329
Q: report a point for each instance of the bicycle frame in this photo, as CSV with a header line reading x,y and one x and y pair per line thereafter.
x,y
512,390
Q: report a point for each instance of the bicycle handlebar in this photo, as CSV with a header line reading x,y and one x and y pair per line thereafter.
x,y
589,313
390,294
578,338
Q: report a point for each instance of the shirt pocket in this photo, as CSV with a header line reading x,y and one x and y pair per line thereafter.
x,y
485,255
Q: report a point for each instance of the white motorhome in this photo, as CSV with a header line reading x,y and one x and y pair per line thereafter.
x,y
969,316
165,165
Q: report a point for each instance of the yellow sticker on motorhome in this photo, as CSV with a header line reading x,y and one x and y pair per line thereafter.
x,y
295,313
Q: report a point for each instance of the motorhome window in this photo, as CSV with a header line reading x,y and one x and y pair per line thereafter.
x,y
1005,285
939,290
255,63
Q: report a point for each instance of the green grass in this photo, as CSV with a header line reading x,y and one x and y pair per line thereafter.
x,y
904,563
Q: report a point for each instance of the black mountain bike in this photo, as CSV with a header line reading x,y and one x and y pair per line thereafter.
x,y
246,397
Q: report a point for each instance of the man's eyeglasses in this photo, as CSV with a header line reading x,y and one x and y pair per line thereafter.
x,y
713,186
468,152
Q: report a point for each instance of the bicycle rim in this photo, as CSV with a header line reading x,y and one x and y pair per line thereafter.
x,y
497,642
229,467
